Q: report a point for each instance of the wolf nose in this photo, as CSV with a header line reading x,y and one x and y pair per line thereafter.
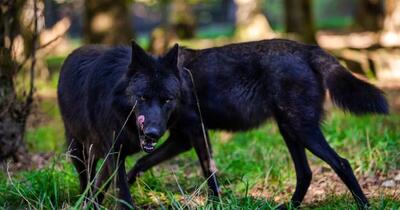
x,y
152,132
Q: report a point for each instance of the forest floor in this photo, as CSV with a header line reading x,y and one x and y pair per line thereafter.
x,y
254,168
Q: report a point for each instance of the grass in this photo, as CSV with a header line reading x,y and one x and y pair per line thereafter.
x,y
47,188
245,161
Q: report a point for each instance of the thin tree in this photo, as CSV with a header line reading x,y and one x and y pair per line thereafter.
x,y
182,19
177,22
299,19
107,22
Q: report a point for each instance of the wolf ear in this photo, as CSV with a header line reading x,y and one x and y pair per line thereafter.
x,y
171,57
138,58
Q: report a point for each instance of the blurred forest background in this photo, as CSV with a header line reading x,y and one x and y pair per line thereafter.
x,y
37,35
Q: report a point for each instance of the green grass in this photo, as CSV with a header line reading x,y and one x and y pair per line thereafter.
x,y
258,157
48,135
49,188
246,161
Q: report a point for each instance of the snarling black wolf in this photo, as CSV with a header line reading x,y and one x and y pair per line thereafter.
x,y
123,100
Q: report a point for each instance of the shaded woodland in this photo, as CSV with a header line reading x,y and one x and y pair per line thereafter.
x,y
37,35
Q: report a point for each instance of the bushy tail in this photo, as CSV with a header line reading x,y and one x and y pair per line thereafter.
x,y
347,91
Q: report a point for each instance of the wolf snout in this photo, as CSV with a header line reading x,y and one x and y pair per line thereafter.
x,y
152,132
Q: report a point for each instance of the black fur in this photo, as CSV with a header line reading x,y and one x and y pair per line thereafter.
x,y
97,90
345,90
239,87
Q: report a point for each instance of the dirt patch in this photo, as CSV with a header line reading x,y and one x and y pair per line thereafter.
x,y
326,183
28,162
40,114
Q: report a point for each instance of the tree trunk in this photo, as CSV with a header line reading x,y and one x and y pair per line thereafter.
x,y
391,29
177,22
369,15
14,105
251,23
182,19
299,19
12,124
107,22
161,36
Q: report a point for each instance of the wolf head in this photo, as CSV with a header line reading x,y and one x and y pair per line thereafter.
x,y
153,84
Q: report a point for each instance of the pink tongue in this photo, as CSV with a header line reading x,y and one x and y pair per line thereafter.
x,y
140,121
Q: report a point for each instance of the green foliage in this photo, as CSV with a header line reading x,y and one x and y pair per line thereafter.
x,y
45,138
54,62
48,136
215,31
47,188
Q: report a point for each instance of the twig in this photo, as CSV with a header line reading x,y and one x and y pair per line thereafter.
x,y
199,110
16,187
38,48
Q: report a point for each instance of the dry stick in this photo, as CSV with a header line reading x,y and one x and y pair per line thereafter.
x,y
176,180
16,187
201,120
199,110
51,41
111,148
126,121
89,166
38,48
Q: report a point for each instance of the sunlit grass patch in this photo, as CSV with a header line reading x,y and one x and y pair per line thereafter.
x,y
49,188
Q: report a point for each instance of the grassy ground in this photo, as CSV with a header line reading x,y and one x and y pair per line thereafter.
x,y
255,170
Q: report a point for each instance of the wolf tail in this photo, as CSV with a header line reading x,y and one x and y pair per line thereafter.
x,y
347,91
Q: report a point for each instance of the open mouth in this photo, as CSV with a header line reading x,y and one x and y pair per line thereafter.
x,y
147,144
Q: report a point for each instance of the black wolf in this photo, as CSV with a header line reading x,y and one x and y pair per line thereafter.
x,y
240,85
237,87
105,95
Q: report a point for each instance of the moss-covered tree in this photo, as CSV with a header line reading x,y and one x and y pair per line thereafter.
x,y
15,104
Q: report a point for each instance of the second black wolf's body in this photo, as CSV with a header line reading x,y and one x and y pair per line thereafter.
x,y
239,87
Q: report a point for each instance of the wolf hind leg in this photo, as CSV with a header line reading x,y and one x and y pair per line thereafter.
x,y
302,168
300,107
313,140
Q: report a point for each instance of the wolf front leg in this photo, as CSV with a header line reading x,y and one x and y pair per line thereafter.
x,y
202,146
126,201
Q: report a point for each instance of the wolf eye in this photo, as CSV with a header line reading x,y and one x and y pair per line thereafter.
x,y
168,100
143,98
